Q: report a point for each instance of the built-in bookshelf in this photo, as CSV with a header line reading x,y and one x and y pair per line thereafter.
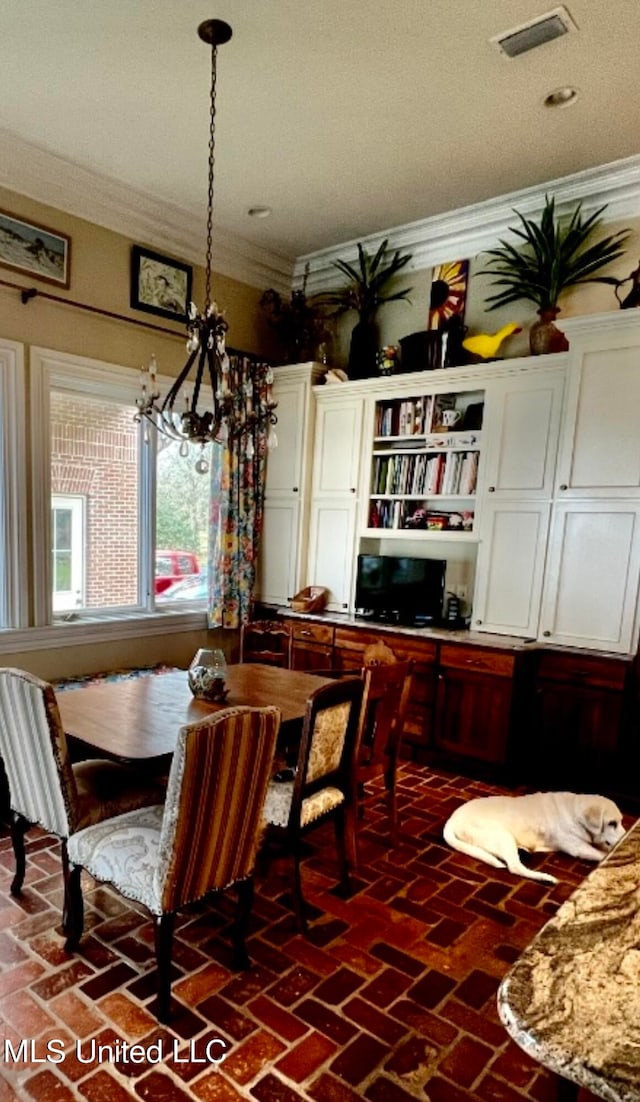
x,y
424,464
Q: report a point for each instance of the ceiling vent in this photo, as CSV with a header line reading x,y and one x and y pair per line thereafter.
x,y
553,24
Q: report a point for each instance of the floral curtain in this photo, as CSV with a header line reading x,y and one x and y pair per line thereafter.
x,y
238,471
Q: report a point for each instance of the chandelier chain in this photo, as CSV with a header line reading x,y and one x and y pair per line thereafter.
x,y
240,391
212,157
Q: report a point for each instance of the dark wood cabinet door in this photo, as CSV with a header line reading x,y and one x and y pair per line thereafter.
x,y
472,714
311,656
577,738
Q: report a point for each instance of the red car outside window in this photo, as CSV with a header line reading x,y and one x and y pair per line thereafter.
x,y
172,566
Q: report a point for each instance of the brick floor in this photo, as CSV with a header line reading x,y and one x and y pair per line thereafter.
x,y
391,998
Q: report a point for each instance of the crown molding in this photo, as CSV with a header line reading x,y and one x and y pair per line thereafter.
x,y
474,229
58,183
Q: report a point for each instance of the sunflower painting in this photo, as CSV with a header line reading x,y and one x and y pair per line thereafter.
x,y
448,293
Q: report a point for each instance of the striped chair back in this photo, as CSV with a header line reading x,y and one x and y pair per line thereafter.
x,y
33,747
213,820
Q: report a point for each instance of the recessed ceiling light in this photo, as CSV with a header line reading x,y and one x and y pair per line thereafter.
x,y
259,212
561,97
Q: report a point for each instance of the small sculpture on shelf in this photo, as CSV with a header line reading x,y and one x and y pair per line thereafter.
x,y
486,345
387,359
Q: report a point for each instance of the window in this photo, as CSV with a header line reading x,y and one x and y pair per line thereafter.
x,y
109,494
182,525
13,496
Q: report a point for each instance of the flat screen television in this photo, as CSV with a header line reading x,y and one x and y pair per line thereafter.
x,y
399,589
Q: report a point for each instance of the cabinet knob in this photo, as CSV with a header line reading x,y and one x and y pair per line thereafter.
x,y
352,490
492,490
295,489
478,621
546,634
563,486
344,604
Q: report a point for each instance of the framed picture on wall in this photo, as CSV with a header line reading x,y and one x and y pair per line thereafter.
x,y
159,284
448,293
35,250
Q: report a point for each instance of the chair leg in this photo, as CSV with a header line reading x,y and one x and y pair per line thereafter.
x,y
340,823
390,781
245,901
351,833
163,931
73,914
19,827
298,898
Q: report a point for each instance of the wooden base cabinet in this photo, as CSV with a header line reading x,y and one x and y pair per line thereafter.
x,y
312,647
474,703
350,644
578,732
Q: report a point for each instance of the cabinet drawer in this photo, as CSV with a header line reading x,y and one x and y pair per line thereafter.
x,y
478,659
403,646
578,669
354,639
422,651
309,632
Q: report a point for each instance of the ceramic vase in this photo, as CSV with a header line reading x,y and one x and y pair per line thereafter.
x,y
544,335
363,350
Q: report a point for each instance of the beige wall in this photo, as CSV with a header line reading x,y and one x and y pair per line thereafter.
x,y
100,266
173,650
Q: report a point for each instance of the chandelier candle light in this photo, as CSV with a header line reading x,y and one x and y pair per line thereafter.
x,y
242,399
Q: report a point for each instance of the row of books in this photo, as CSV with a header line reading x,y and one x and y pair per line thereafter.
x,y
421,474
411,416
403,514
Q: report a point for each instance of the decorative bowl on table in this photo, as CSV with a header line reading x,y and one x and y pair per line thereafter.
x,y
206,675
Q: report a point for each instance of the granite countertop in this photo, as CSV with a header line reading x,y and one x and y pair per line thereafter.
x,y
572,1000
438,633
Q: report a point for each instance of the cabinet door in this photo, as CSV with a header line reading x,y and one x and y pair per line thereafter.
x,y
510,567
337,450
311,656
521,434
277,578
472,714
577,739
284,463
600,448
332,549
591,583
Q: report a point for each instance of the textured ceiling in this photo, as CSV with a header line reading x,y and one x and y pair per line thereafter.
x,y
344,116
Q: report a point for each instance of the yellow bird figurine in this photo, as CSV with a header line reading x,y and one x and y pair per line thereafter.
x,y
486,345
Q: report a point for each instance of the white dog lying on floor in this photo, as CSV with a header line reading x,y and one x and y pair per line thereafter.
x,y
494,828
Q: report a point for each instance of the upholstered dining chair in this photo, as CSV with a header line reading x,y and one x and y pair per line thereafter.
x,y
203,840
321,787
266,641
382,716
44,786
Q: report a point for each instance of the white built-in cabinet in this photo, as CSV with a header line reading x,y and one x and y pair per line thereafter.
x,y
334,496
522,423
593,562
555,542
283,543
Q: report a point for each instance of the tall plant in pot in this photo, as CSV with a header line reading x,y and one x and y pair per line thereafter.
x,y
555,255
365,291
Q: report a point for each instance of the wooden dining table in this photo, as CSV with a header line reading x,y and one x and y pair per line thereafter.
x,y
140,718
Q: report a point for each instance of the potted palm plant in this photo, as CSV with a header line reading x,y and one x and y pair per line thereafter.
x,y
555,254
364,292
